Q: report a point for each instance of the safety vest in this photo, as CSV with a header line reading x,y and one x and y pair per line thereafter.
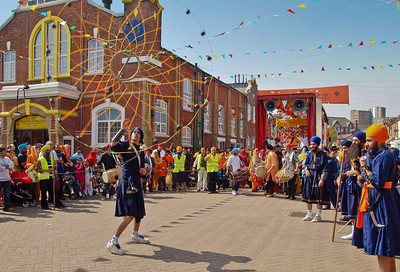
x,y
45,166
199,158
179,164
213,163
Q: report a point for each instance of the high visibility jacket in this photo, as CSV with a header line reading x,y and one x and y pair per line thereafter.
x,y
179,164
45,166
213,163
198,162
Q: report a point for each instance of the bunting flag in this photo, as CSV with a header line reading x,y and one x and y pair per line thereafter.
x,y
291,11
240,26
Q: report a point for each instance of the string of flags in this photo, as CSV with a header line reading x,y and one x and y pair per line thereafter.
x,y
323,69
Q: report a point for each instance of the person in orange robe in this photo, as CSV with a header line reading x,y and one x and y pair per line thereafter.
x,y
32,160
254,162
272,168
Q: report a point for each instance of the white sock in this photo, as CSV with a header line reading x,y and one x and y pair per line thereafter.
x,y
115,239
319,211
136,233
309,212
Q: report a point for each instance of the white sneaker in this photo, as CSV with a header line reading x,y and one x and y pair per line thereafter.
x,y
308,217
140,239
347,237
233,192
238,193
103,198
316,219
115,248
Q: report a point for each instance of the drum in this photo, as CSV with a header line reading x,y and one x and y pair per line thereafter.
x,y
241,174
284,175
109,176
261,171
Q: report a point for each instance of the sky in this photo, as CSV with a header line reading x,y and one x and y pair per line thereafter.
x,y
287,44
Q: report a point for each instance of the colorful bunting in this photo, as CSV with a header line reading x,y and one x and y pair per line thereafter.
x,y
291,11
302,6
44,14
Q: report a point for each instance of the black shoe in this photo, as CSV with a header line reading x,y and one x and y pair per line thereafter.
x,y
292,198
60,206
46,208
287,197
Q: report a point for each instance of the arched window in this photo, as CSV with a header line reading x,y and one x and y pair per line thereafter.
x,y
161,117
95,56
207,126
221,120
187,95
233,125
49,50
106,122
9,69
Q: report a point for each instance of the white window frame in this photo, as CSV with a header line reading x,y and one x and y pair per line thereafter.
x,y
233,124
221,120
9,66
161,108
37,55
254,115
95,52
248,113
186,137
248,141
241,125
63,54
187,95
207,124
95,115
72,139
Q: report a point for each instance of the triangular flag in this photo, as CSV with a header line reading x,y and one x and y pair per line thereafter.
x,y
302,6
33,8
291,11
135,12
330,46
395,42
301,71
44,14
340,69
200,56
80,31
219,78
252,76
323,69
294,72
372,42
265,75
365,68
276,15
87,35
284,102
373,67
350,44
383,41
348,69
72,27
223,56
241,24
230,55
319,47
279,74
390,65
63,23
381,66
259,76
361,43
215,56
101,88
21,2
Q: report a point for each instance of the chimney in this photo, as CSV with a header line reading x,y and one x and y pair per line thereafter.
x,y
107,4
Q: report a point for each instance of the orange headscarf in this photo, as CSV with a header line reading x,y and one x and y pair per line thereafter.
x,y
378,133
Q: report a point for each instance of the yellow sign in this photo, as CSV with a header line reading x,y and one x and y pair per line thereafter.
x,y
31,122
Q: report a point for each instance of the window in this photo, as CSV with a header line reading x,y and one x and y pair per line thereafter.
x,y
9,66
161,117
248,113
241,125
187,94
95,56
221,120
233,125
254,115
106,122
186,136
207,126
49,50
248,142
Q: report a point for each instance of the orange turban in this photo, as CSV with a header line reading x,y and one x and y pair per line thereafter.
x,y
378,133
179,148
213,148
203,149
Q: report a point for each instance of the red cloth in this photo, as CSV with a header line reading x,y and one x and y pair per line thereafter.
x,y
92,157
243,156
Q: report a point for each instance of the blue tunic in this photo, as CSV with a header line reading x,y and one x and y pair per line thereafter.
x,y
351,192
381,241
130,204
332,173
312,193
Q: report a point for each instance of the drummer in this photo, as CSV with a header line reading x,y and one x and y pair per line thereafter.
x,y
234,163
254,162
130,202
107,161
291,161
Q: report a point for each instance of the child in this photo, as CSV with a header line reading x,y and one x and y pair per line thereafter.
x,y
169,177
80,173
88,178
74,189
161,169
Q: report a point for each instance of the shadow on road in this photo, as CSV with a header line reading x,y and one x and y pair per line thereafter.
x,y
216,261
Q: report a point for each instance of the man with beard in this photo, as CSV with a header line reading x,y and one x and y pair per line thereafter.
x,y
22,156
314,191
212,170
291,161
350,169
179,168
378,220
200,164
343,185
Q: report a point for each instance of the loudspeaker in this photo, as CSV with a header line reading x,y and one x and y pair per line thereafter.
x,y
270,105
299,105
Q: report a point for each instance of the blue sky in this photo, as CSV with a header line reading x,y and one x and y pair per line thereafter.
x,y
322,22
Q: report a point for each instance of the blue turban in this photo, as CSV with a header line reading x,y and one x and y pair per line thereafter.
x,y
22,146
235,150
361,136
315,139
346,143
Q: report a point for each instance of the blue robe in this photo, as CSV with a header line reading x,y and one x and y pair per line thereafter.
x,y
381,241
130,204
351,192
316,164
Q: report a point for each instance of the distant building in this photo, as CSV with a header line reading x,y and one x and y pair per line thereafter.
x,y
378,114
362,119
342,125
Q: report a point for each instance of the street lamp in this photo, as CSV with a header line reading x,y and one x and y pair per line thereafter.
x,y
26,87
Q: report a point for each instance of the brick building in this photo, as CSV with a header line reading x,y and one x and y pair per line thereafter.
x,y
68,74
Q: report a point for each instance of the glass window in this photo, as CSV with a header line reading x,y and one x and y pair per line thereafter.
x,y
37,55
161,117
9,65
187,94
207,125
95,56
249,113
254,115
108,124
63,52
186,136
233,124
241,125
221,120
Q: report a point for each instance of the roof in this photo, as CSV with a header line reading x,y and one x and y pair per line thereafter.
x,y
343,121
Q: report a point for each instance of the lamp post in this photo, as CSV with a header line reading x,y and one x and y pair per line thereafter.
x,y
17,113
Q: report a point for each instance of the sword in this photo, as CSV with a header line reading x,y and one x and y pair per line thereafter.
x,y
371,213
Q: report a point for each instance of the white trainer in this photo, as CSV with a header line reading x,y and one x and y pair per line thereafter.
x,y
308,217
347,237
115,248
316,219
140,239
238,193
233,192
